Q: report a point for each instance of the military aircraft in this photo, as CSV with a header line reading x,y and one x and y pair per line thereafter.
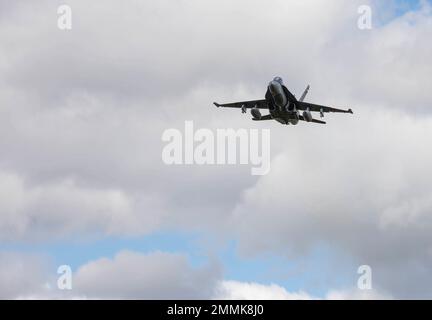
x,y
283,106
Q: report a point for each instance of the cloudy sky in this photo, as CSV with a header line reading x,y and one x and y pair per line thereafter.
x,y
82,181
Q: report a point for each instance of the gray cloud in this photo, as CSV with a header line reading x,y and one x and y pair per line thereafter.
x,y
135,275
158,275
46,212
129,275
154,50
82,113
23,275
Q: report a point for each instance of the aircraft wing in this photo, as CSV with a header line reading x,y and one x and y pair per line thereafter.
x,y
260,104
319,108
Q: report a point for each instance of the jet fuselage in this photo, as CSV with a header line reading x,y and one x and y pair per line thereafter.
x,y
282,102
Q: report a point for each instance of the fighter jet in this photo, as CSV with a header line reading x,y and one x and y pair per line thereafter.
x,y
283,106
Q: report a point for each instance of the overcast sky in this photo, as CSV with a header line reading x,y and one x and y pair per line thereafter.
x,y
82,181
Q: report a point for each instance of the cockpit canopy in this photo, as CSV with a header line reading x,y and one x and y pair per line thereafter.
x,y
278,79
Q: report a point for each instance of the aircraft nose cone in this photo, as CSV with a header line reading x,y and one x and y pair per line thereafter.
x,y
274,87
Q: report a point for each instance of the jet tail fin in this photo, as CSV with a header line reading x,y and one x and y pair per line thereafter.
x,y
303,96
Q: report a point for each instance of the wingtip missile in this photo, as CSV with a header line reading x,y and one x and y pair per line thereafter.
x,y
346,110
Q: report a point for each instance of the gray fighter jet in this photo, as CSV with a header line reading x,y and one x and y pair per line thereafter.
x,y
283,106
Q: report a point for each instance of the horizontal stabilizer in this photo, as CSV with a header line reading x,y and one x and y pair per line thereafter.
x,y
263,118
313,120
318,121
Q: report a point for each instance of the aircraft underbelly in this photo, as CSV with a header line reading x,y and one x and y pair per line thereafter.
x,y
286,117
283,121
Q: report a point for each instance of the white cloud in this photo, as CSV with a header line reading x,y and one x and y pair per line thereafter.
x,y
356,294
236,290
